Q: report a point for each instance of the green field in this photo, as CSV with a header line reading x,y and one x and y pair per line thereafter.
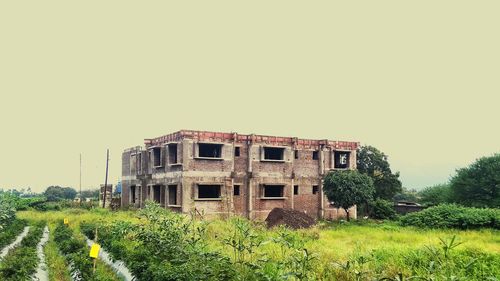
x,y
359,250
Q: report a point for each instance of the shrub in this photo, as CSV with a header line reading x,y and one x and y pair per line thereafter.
x,y
21,262
168,247
382,209
454,216
10,233
76,252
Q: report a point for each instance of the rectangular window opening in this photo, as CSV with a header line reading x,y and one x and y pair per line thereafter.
x,y
271,191
139,163
237,151
172,153
133,164
341,159
315,155
172,194
132,194
236,190
315,189
209,191
210,150
157,157
274,153
295,190
296,154
157,193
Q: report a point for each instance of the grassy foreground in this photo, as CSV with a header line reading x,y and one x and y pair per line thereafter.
x,y
357,250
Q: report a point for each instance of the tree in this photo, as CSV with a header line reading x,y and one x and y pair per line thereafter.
x,y
479,184
406,195
435,195
91,193
382,209
373,162
56,193
348,188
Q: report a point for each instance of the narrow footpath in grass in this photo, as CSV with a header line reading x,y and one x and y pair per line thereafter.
x,y
16,242
41,273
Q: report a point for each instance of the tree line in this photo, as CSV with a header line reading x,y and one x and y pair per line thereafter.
x,y
373,186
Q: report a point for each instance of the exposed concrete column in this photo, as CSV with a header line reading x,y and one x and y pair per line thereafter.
x,y
186,191
140,195
321,161
250,177
165,194
186,145
321,200
250,198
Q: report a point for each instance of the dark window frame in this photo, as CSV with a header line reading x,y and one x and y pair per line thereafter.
x,y
169,190
236,190
271,191
157,155
271,153
207,194
237,151
336,159
315,189
315,155
173,153
207,150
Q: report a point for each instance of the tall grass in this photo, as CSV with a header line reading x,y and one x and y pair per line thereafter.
x,y
333,250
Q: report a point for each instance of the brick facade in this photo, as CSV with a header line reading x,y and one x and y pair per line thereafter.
x,y
196,170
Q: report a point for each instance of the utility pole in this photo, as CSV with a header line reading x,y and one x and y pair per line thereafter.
x,y
80,179
106,180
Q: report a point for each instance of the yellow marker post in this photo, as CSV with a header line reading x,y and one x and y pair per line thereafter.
x,y
94,250
66,221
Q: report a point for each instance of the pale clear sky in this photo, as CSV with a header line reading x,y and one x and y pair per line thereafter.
x,y
420,80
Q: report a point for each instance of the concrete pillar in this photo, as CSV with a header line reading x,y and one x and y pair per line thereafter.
x,y
321,200
250,198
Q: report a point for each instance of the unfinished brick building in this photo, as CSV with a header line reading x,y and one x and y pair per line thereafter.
x,y
229,173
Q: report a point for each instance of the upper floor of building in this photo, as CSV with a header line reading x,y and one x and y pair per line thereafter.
x,y
238,154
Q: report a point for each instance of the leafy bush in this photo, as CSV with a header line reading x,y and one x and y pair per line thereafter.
x,y
10,233
7,210
382,209
435,195
20,264
454,216
77,253
477,185
169,247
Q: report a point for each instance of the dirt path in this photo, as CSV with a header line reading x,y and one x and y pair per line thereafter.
x,y
16,242
118,266
41,271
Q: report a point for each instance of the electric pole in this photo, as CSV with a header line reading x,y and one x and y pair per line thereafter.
x,y
80,179
106,180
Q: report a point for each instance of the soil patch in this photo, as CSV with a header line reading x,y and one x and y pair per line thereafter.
x,y
291,218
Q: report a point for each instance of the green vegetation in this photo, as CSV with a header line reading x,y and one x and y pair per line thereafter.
x,y
382,209
454,216
10,232
479,184
237,249
7,210
56,264
348,188
77,254
56,193
373,163
20,264
435,195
